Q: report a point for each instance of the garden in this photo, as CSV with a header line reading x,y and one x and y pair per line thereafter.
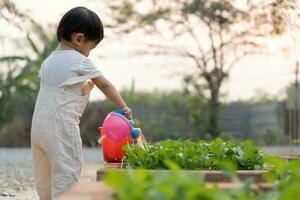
x,y
199,170
211,83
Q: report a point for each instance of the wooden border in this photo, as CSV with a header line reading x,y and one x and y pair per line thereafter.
x,y
209,175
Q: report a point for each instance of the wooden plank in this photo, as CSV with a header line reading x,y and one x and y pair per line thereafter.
x,y
289,157
209,175
114,165
254,187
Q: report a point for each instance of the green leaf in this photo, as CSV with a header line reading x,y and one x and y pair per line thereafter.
x,y
13,58
33,45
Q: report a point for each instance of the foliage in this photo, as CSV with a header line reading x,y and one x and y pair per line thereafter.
x,y
286,178
161,115
196,155
222,34
271,137
261,96
19,86
179,184
10,13
175,185
15,133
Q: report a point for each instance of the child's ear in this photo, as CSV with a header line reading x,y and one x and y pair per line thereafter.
x,y
77,38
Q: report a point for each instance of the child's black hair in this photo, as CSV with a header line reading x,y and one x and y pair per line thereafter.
x,y
80,20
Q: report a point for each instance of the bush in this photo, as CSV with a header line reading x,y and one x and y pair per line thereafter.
x,y
196,155
160,115
15,133
273,137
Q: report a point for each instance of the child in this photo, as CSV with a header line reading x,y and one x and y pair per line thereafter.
x,y
64,90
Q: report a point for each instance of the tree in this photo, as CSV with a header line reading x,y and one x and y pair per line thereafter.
x,y
10,13
220,34
19,86
19,78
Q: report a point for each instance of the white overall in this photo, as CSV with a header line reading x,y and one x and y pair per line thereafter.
x,y
55,136
57,150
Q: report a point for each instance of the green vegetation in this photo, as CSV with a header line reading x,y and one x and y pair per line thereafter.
x,y
161,115
178,184
192,112
196,155
142,185
231,33
19,87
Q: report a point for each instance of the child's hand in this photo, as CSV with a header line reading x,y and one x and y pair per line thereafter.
x,y
128,112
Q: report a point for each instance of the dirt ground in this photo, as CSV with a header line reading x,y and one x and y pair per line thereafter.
x,y
88,173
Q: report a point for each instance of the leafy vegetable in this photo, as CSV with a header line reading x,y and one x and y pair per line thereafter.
x,y
174,185
196,155
179,184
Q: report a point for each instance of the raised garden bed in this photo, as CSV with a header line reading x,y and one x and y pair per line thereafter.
x,y
283,183
189,154
196,157
178,169
257,176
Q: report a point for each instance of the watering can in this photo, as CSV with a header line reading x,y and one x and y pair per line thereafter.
x,y
116,132
117,127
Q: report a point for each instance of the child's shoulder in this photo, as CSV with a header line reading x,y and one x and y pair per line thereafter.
x,y
68,53
66,56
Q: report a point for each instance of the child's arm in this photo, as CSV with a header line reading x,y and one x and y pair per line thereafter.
x,y
112,94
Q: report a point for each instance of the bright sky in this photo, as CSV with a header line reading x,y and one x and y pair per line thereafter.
x,y
162,72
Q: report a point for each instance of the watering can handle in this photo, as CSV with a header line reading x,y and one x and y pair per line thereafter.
x,y
122,113
100,140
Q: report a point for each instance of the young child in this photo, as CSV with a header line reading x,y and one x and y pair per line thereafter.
x,y
66,78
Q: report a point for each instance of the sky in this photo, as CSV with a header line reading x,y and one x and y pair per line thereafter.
x,y
116,57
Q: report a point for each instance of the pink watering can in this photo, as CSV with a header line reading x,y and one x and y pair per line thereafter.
x,y
117,127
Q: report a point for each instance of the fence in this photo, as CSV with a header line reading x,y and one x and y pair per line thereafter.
x,y
242,121
292,123
254,121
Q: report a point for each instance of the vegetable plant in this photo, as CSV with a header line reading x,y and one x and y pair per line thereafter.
x,y
196,155
176,185
179,184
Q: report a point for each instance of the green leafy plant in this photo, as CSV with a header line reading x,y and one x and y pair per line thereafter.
x,y
177,184
286,178
196,155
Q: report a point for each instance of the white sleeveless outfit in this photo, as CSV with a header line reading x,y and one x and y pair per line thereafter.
x,y
55,135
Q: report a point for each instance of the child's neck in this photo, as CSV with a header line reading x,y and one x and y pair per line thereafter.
x,y
65,46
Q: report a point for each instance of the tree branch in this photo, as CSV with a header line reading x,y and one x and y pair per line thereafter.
x,y
213,48
221,52
196,59
238,58
192,34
